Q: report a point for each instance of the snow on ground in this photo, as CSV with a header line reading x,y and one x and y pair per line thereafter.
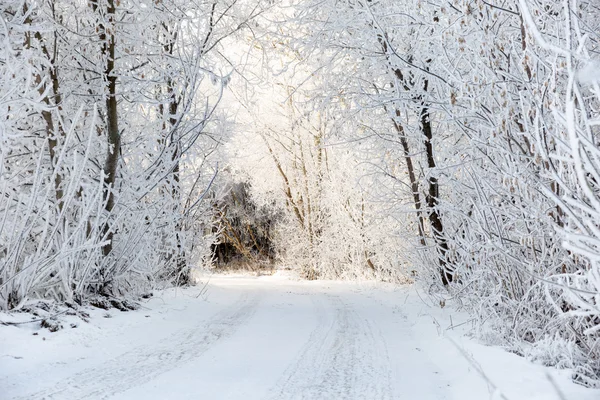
x,y
271,338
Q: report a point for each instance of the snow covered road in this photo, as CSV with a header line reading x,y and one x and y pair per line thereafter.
x,y
271,338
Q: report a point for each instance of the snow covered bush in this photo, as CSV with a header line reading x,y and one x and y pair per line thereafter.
x,y
105,154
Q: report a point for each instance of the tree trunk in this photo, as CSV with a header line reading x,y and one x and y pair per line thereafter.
x,y
414,184
53,131
108,39
433,195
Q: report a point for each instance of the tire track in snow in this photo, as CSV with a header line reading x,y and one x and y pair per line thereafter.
x,y
142,364
409,377
345,357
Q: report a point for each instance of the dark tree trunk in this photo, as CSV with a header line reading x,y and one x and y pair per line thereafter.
x,y
53,132
414,184
433,195
107,38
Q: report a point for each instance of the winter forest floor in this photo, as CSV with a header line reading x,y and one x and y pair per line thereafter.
x,y
271,338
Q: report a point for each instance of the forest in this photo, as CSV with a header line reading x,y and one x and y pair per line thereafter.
x,y
454,144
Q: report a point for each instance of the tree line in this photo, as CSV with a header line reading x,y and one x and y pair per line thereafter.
x,y
454,142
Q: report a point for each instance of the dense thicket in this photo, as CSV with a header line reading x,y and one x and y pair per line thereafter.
x,y
108,119
243,230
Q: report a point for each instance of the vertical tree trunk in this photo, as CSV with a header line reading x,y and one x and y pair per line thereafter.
x,y
107,36
175,144
53,131
433,194
414,184
171,130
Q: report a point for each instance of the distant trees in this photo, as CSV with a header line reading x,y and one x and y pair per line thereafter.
x,y
328,228
243,229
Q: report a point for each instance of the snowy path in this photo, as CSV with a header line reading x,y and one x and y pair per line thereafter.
x,y
270,338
